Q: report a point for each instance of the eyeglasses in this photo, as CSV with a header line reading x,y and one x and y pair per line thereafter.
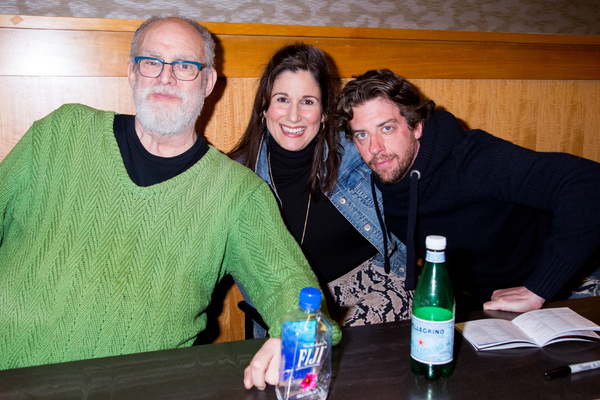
x,y
151,67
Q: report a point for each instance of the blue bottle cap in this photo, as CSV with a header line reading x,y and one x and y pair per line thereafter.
x,y
310,299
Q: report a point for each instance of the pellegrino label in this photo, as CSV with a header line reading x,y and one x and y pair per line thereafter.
x,y
435,256
432,341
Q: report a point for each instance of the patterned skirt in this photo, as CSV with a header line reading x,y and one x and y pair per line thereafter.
x,y
367,295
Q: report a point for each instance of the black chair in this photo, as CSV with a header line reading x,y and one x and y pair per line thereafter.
x,y
251,317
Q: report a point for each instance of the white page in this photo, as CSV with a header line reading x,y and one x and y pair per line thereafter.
x,y
544,325
487,332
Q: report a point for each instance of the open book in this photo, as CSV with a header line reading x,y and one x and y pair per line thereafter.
x,y
532,329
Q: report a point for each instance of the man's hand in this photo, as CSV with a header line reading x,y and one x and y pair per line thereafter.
x,y
264,367
517,299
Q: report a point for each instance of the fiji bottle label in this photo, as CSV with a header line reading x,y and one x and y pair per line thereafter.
x,y
302,356
432,341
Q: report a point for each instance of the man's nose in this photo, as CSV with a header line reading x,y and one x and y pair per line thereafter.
x,y
166,75
375,144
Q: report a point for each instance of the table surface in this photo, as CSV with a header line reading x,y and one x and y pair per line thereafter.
x,y
370,362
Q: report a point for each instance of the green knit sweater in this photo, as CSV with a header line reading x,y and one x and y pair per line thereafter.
x,y
92,265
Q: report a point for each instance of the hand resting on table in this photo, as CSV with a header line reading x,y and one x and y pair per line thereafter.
x,y
264,367
517,299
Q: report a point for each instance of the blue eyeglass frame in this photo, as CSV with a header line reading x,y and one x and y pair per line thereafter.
x,y
197,64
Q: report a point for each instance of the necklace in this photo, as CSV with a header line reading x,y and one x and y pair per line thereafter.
x,y
307,206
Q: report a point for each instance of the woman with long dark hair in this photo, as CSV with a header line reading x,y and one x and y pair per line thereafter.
x,y
318,178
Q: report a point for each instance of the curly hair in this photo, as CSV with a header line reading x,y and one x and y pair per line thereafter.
x,y
382,84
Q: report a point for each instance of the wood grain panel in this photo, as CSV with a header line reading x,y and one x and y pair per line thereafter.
x,y
540,115
231,320
43,52
591,117
31,98
34,52
223,120
71,23
224,28
227,111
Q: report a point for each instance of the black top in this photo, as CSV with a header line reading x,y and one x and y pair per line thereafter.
x,y
331,244
512,216
144,168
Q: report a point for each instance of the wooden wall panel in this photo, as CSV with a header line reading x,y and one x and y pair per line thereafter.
x,y
553,115
567,113
27,99
64,53
589,97
540,115
226,120
102,50
231,320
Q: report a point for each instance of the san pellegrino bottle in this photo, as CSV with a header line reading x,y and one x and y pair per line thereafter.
x,y
305,368
432,337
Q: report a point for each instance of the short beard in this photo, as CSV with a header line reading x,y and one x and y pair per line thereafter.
x,y
395,175
162,121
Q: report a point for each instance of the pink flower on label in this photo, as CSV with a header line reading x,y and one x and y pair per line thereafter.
x,y
309,382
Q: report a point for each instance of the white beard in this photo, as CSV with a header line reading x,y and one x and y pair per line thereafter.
x,y
161,120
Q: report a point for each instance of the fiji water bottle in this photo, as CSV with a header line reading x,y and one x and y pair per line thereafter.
x,y
305,368
432,337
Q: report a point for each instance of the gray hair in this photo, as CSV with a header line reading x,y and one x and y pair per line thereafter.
x,y
209,42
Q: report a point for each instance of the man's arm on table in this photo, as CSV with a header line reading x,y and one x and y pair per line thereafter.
x,y
560,183
264,257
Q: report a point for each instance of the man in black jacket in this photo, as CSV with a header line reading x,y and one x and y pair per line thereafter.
x,y
520,224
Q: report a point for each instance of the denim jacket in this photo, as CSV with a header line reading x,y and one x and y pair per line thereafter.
x,y
353,199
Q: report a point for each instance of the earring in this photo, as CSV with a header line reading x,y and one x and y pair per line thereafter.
x,y
264,118
322,126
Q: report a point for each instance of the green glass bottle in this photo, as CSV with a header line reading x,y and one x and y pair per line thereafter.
x,y
432,337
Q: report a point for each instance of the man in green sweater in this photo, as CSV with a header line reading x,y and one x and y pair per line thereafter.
x,y
116,228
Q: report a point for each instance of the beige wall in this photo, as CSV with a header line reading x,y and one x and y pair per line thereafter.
x,y
572,17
